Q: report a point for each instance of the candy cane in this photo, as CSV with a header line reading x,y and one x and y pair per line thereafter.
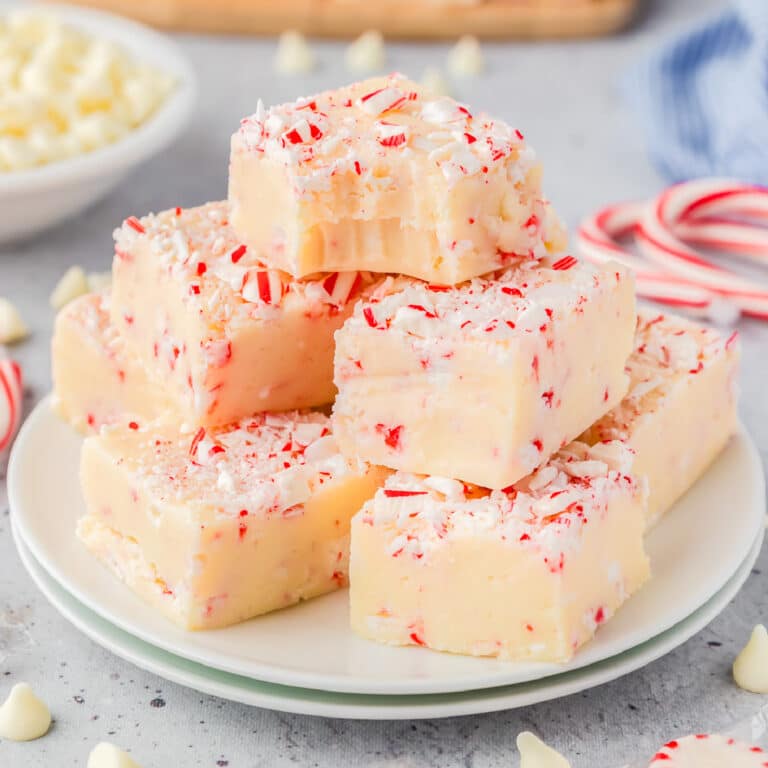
x,y
10,401
597,239
698,212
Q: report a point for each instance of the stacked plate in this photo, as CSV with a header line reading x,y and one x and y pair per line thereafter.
x,y
307,660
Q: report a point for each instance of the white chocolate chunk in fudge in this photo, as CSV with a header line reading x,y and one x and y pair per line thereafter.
x,y
526,574
381,176
709,751
95,379
484,381
227,336
258,514
681,406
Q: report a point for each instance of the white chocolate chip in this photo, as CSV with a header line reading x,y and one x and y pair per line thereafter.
x,y
534,753
466,57
434,83
367,53
106,755
750,670
294,56
99,281
12,327
23,717
73,283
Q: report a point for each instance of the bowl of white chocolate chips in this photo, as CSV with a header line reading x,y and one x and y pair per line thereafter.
x,y
85,97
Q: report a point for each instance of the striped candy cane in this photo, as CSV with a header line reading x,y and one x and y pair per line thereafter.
x,y
719,215
10,401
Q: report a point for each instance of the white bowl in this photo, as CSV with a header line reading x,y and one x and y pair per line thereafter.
x,y
36,198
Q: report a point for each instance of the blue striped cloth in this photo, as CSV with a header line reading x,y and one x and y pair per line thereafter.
x,y
703,98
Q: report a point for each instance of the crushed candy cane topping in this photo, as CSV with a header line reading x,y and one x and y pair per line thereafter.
x,y
520,301
265,464
546,510
362,126
227,282
667,349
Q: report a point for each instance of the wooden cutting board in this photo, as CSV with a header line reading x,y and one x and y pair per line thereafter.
x,y
526,19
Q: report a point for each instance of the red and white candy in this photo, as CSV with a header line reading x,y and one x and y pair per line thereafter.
x,y
709,751
10,401
718,215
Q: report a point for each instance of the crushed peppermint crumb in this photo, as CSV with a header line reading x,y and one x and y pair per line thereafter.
x,y
265,464
514,302
667,351
338,132
545,511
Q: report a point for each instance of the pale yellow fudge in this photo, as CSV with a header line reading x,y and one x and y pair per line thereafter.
x,y
221,332
215,527
681,406
709,750
380,176
95,380
529,573
484,381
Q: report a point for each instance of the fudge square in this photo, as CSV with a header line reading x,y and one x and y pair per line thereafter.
x,y
217,526
528,573
226,336
378,176
95,380
681,406
484,381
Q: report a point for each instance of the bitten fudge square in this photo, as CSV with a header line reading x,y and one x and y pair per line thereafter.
x,y
528,573
216,526
484,381
226,336
379,176
681,406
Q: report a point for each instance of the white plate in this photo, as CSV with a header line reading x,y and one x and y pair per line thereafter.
x,y
36,198
328,704
694,551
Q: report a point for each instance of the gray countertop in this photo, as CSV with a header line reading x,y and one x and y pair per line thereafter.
x,y
565,98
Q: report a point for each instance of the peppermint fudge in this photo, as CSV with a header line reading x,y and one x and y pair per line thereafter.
x,y
224,335
681,406
95,380
704,750
380,176
528,573
217,526
484,381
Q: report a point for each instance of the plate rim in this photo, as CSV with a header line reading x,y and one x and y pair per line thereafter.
x,y
321,703
280,674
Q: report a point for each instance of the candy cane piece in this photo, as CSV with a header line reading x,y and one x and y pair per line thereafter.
x,y
10,401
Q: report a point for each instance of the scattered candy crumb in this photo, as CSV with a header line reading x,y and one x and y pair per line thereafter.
x,y
367,53
106,755
434,83
294,56
466,57
534,753
23,717
73,283
750,670
12,327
